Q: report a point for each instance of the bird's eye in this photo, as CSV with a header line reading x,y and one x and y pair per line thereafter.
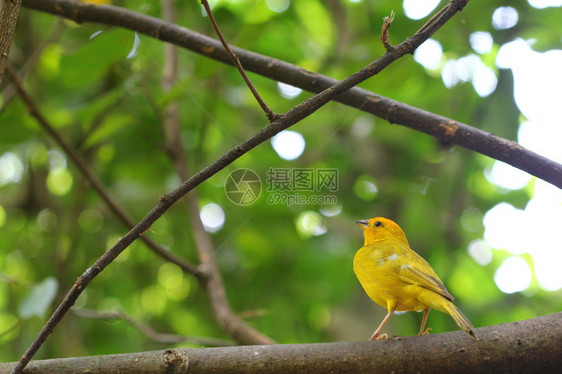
x,y
378,223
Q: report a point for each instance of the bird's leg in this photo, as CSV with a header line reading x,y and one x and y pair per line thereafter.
x,y
375,335
424,320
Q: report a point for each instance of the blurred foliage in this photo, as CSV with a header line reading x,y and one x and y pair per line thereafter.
x,y
288,277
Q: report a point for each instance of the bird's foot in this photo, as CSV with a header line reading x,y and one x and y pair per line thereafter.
x,y
376,337
426,332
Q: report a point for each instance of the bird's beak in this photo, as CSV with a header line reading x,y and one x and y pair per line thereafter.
x,y
363,223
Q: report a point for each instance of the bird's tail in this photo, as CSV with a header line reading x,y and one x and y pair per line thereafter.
x,y
460,318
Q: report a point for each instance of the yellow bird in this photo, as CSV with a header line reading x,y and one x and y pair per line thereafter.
x,y
397,278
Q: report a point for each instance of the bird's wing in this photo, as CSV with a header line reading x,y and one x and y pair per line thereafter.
x,y
416,270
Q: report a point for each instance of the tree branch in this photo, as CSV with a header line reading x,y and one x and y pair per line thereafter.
x,y
236,62
530,346
227,320
87,172
9,10
393,111
149,331
234,324
286,120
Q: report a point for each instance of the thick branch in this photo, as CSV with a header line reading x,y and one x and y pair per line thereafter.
x,y
8,18
395,112
531,346
286,120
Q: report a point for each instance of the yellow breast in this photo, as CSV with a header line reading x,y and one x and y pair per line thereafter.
x,y
378,268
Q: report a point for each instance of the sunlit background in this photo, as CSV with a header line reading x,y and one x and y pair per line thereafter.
x,y
534,230
538,91
520,244
538,94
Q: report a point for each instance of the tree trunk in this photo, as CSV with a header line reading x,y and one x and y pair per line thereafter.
x,y
8,17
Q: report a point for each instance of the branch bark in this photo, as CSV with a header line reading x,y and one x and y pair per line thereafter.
x,y
286,120
530,346
441,127
9,10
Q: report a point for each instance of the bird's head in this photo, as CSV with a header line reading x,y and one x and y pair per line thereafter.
x,y
379,228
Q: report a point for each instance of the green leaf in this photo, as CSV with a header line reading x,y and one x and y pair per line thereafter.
x,y
99,106
110,126
316,19
88,64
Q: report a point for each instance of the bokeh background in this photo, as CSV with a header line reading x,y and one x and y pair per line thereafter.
x,y
492,233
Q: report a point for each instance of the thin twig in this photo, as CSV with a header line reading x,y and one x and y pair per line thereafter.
x,y
149,331
384,30
87,172
225,317
271,115
288,119
443,128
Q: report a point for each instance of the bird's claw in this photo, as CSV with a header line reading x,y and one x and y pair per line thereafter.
x,y
383,336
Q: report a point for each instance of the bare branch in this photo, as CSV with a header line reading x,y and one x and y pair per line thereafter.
x,y
288,119
149,331
384,31
227,320
531,346
441,127
9,10
271,115
87,172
